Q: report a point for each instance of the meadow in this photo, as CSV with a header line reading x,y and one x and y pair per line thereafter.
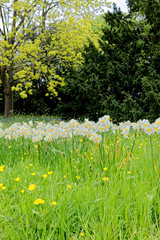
x,y
70,180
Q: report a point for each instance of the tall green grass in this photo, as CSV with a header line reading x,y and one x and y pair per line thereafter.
x,y
100,191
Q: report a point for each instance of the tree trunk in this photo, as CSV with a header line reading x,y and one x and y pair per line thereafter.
x,y
8,106
8,94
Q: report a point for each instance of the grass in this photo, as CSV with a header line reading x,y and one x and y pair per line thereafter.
x,y
27,118
95,191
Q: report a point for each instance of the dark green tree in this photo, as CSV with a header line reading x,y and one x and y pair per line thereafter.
x,y
122,78
82,94
150,11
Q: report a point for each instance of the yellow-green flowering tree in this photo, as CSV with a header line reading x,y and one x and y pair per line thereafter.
x,y
35,32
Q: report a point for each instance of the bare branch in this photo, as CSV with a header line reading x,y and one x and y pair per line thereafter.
x,y
3,23
2,32
51,6
20,24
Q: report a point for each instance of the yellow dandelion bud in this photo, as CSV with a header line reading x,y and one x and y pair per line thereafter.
x,y
78,177
64,176
106,179
105,168
39,201
17,179
129,172
45,175
1,168
49,173
31,165
69,186
54,203
31,187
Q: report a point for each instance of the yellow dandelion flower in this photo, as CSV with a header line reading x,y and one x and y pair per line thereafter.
x,y
54,203
78,177
33,173
106,179
3,187
64,176
1,168
129,172
22,191
105,168
17,179
39,201
9,146
45,175
49,173
31,165
69,186
82,234
31,187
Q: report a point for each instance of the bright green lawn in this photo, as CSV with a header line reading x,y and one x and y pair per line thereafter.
x,y
95,191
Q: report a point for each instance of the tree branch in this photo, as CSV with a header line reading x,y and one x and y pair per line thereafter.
x,y
3,24
2,32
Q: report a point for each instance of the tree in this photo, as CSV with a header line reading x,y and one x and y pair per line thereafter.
x,y
150,11
121,78
25,52
81,97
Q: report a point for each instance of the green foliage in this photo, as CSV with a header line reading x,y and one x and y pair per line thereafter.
x,y
121,78
81,96
36,34
37,104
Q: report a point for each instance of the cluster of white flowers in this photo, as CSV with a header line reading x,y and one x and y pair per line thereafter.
x,y
90,129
